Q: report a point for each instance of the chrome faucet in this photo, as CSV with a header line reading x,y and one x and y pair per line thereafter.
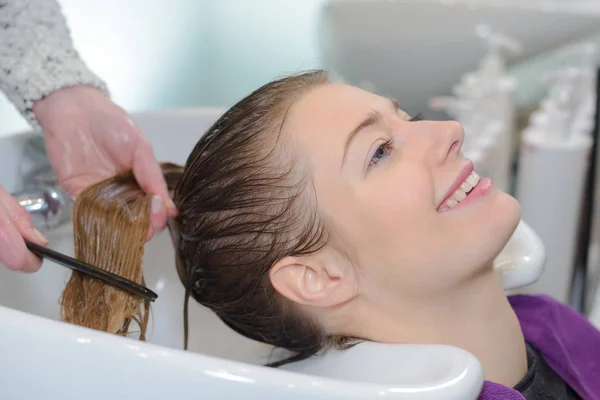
x,y
41,195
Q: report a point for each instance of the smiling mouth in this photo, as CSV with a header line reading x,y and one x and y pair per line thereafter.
x,y
466,187
462,188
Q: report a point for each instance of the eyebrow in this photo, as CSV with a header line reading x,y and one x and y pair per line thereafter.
x,y
372,119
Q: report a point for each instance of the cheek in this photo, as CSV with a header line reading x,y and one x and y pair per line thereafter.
x,y
394,220
405,242
400,204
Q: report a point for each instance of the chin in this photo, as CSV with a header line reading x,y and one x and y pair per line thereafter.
x,y
504,219
512,210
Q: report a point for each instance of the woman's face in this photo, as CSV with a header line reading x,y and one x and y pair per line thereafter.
x,y
392,189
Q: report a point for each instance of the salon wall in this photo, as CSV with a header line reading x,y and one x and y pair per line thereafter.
x,y
190,53
205,52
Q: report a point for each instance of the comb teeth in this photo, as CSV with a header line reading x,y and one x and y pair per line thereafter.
x,y
90,270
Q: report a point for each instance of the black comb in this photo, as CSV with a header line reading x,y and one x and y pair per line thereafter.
x,y
92,271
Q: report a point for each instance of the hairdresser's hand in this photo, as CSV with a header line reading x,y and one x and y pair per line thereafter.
x,y
89,138
15,224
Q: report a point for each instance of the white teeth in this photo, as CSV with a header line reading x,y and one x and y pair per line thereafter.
x,y
451,202
473,179
465,186
458,196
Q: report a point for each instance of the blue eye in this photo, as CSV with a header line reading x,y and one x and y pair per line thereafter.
x,y
385,149
382,152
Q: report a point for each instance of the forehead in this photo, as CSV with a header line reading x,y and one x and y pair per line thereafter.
x,y
322,118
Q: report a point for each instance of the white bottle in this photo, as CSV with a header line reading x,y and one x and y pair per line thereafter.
x,y
553,162
500,88
475,119
583,58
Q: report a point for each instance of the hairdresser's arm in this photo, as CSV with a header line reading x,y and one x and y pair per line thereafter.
x,y
88,138
36,54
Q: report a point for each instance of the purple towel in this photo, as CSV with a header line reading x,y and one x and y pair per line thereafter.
x,y
569,343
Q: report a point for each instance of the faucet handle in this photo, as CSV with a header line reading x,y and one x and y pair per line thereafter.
x,y
41,195
49,207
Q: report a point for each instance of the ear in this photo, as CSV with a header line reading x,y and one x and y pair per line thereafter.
x,y
313,280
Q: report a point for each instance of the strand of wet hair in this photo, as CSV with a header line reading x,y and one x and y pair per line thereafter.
x,y
110,224
111,220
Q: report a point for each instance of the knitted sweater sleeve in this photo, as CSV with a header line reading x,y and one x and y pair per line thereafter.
x,y
37,55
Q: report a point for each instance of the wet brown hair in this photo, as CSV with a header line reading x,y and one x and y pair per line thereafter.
x,y
244,202
110,224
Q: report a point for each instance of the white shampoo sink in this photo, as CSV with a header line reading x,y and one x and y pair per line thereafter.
x,y
41,357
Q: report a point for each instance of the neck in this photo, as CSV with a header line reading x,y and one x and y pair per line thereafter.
x,y
476,317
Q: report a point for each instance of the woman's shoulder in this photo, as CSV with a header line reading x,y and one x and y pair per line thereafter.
x,y
546,321
567,340
544,308
529,301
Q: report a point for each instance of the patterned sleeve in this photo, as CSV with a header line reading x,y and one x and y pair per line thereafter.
x,y
37,55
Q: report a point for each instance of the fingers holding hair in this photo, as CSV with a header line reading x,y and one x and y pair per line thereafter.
x,y
150,177
16,224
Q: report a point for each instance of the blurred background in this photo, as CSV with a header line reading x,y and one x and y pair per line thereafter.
x,y
213,52
520,75
191,53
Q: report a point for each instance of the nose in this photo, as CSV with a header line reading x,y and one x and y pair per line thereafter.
x,y
435,141
447,140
